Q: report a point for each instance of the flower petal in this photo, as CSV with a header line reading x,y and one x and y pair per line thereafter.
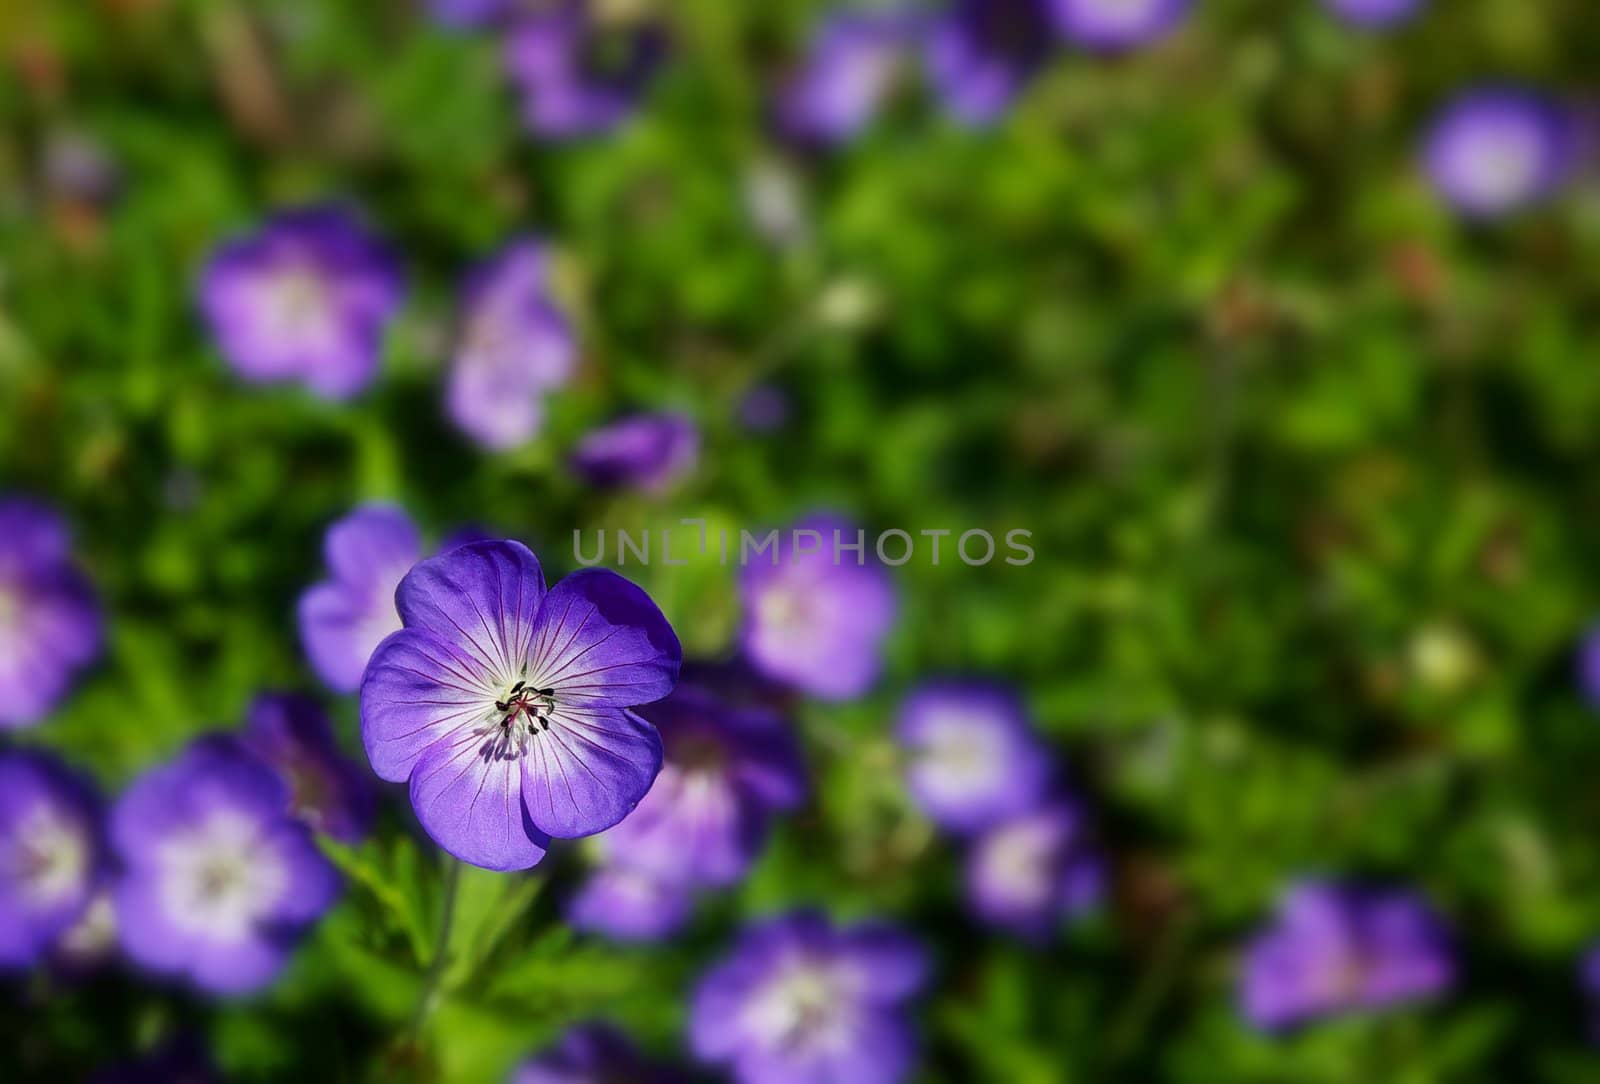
x,y
470,802
418,689
589,769
602,641
481,597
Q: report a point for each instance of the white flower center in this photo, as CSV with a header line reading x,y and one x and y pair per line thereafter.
x,y
958,759
295,301
806,1004
218,878
1502,165
51,855
1016,861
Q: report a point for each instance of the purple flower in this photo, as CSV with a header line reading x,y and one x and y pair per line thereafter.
x,y
51,854
972,757
1375,13
800,1001
345,617
1589,667
180,1060
1497,150
982,53
1104,26
1335,948
727,771
506,706
814,618
1028,873
327,790
642,451
49,620
514,346
306,297
764,409
1589,986
846,75
468,14
576,76
219,882
591,1054
627,904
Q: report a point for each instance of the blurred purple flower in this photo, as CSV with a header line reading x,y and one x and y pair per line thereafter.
x,y
576,75
1375,13
52,854
814,622
1335,948
1029,873
764,409
50,625
972,757
847,73
727,771
506,706
642,451
327,790
77,166
981,53
180,1060
514,346
1104,26
219,883
800,1001
626,904
592,1054
469,14
306,297
1494,151
345,617
1589,987
1589,667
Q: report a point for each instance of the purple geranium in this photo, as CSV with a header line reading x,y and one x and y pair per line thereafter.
x,y
981,54
507,707
816,615
219,883
514,345
972,757
50,624
1494,151
800,1001
625,903
306,297
1336,948
591,1054
1114,25
642,451
345,617
578,76
327,790
727,771
846,75
1028,873
1374,13
52,854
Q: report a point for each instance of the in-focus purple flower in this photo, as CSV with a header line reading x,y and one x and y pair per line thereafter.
x,y
972,758
50,625
1336,948
1494,151
1029,873
219,883
981,53
800,1001
513,347
642,451
578,76
626,904
327,790
1375,13
592,1054
1113,25
52,854
307,298
507,707
346,616
727,771
845,76
813,617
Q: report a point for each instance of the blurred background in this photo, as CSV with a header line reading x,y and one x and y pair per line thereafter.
x,y
1305,449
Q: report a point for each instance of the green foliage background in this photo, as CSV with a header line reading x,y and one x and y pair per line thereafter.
x,y
1308,462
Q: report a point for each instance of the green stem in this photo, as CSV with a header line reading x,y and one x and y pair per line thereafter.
x,y
429,999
